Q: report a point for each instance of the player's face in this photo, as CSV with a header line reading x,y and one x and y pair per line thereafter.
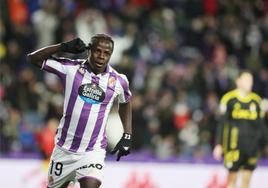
x,y
100,55
245,82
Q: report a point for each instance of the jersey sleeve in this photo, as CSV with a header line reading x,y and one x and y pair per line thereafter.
x,y
262,124
57,65
125,93
223,103
221,118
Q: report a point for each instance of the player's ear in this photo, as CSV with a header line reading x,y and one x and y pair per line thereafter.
x,y
88,47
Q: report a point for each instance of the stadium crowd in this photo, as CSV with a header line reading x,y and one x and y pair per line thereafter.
x,y
180,56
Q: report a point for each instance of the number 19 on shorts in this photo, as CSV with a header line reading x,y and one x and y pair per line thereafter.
x,y
56,168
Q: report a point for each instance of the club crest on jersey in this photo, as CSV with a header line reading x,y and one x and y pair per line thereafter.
x,y
91,93
111,81
82,70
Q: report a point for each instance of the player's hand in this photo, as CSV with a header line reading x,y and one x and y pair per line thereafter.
x,y
73,46
217,152
123,146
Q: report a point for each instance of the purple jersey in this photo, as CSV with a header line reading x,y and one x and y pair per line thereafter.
x,y
88,99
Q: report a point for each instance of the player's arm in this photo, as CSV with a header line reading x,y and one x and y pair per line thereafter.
x,y
125,113
124,145
264,136
74,46
37,57
219,129
262,125
218,149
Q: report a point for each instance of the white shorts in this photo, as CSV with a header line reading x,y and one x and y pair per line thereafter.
x,y
66,166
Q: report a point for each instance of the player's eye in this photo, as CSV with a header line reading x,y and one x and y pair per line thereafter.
x,y
107,53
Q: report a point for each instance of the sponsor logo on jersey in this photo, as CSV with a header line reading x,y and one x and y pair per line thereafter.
x,y
249,113
92,165
91,93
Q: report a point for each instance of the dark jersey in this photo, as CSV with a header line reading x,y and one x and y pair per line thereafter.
x,y
241,129
242,122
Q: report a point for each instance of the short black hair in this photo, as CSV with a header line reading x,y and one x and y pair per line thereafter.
x,y
98,37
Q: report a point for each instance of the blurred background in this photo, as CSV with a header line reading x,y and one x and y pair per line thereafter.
x,y
180,57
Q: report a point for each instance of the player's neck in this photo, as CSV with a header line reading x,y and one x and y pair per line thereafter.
x,y
243,93
94,70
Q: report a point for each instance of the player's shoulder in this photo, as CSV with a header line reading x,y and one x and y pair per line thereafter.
x,y
228,96
118,74
254,96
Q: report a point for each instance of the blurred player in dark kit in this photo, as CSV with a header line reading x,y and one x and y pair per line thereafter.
x,y
240,131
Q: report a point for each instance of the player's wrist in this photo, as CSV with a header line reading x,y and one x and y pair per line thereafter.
x,y
63,47
73,46
127,136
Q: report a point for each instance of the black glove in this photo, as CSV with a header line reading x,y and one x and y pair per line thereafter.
x,y
73,46
123,146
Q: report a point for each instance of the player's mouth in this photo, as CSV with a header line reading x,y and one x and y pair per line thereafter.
x,y
99,64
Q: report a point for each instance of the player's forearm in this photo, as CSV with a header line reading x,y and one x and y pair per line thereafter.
x,y
219,135
37,57
219,131
125,113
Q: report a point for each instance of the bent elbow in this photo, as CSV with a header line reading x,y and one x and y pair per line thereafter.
x,y
33,60
30,58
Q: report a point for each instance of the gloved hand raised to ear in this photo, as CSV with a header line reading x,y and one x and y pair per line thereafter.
x,y
73,46
123,146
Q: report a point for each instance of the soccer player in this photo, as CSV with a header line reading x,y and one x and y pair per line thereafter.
x,y
90,87
240,130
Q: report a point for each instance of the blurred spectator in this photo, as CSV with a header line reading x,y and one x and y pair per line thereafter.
x,y
45,22
141,135
10,130
189,139
90,22
46,137
18,11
